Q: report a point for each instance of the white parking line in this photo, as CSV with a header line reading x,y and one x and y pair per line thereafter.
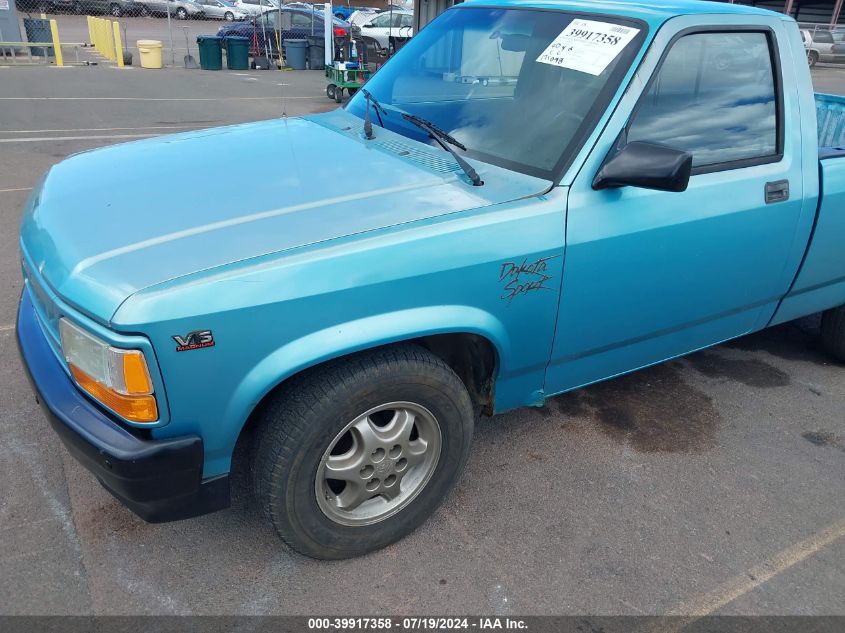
x,y
6,328
99,129
94,137
701,606
273,98
16,189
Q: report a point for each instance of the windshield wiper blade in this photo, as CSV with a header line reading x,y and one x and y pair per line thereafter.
x,y
368,122
444,139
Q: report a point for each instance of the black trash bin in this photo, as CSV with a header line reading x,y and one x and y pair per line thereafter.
x,y
316,52
237,53
38,30
211,54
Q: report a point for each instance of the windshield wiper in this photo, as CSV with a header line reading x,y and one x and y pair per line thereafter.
x,y
444,139
368,123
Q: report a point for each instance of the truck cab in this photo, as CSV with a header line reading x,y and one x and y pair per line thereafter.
x,y
550,194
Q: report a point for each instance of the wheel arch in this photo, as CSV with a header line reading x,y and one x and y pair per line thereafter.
x,y
461,339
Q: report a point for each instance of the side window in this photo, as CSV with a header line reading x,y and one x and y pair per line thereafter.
x,y
301,20
382,21
714,96
407,20
823,37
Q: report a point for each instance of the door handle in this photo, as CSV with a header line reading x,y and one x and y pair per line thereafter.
x,y
777,191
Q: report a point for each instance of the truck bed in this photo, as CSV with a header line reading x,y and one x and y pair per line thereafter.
x,y
830,114
820,283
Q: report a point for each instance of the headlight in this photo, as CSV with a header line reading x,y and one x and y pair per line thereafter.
x,y
118,378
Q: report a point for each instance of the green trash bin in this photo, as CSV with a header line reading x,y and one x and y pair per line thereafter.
x,y
211,55
237,53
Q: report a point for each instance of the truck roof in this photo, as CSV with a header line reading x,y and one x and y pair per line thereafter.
x,y
651,12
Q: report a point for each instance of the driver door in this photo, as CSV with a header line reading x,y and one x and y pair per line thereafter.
x,y
650,275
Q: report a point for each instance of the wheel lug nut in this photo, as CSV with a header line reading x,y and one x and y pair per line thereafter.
x,y
367,471
395,452
378,455
372,484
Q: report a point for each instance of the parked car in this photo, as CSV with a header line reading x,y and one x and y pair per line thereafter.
x,y
256,7
296,24
44,6
221,10
820,45
362,15
382,31
181,9
116,8
343,333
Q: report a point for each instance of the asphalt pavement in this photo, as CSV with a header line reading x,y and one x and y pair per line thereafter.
x,y
711,484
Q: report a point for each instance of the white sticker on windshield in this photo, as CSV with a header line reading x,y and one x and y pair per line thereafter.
x,y
587,46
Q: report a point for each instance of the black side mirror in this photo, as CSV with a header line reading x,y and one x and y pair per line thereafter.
x,y
646,165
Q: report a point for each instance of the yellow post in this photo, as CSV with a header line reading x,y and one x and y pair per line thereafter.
x,y
57,45
118,45
90,31
110,40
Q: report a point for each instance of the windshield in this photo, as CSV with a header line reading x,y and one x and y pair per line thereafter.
x,y
520,88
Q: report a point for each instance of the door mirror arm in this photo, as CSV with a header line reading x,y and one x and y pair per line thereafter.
x,y
646,165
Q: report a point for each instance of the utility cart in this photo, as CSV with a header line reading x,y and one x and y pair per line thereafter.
x,y
349,78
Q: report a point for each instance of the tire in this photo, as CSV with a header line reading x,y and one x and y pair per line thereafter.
x,y
115,10
229,16
181,13
144,11
338,94
833,333
330,91
308,418
812,58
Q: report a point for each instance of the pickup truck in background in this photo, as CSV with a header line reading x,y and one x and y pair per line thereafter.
x,y
546,196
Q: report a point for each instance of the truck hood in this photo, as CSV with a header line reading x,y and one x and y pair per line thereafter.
x,y
107,223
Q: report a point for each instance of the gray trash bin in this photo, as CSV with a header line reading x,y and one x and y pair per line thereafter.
x,y
295,51
316,52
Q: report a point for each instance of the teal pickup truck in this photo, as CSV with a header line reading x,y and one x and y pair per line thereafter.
x,y
546,194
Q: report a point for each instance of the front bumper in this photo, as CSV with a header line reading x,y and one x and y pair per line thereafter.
x,y
159,480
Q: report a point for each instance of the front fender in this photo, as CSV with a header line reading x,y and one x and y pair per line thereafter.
x,y
352,336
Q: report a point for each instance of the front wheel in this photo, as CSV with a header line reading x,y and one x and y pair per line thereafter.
x,y
77,8
229,16
181,13
115,10
360,452
812,58
145,12
833,332
338,94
